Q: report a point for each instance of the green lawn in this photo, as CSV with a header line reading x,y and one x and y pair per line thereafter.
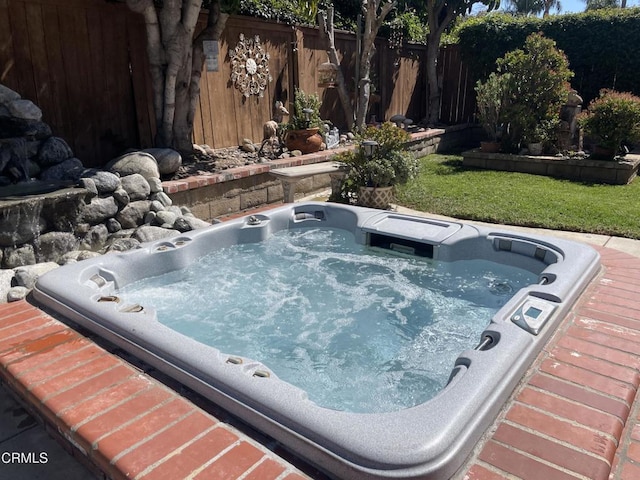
x,y
445,187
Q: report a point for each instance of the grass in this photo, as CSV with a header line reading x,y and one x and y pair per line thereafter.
x,y
445,187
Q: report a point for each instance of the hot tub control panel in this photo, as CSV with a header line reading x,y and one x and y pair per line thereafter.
x,y
533,314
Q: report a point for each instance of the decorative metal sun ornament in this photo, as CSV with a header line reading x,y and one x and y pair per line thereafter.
x,y
249,66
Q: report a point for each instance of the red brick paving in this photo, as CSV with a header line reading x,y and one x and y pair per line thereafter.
x,y
575,416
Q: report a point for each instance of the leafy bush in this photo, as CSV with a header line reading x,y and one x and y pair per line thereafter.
x,y
305,101
537,86
601,45
614,118
390,165
491,99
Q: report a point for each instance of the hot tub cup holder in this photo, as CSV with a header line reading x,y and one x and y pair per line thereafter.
x,y
131,308
256,220
108,299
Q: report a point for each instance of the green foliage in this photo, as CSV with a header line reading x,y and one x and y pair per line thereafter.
x,y
491,99
614,118
601,45
390,165
600,4
298,119
287,11
537,86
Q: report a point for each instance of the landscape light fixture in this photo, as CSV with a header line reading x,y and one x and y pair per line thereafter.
x,y
369,147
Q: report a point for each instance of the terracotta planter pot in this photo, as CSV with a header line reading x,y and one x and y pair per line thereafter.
x,y
375,197
490,147
307,141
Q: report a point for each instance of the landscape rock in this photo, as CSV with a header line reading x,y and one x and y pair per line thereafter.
x,y
17,293
155,184
133,214
19,256
51,246
7,95
149,233
165,217
95,238
123,244
89,185
70,170
162,198
135,162
113,225
25,109
121,196
106,182
53,150
20,127
185,224
136,186
168,160
99,210
77,256
28,275
6,278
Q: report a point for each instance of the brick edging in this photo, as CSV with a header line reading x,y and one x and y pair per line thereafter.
x,y
577,405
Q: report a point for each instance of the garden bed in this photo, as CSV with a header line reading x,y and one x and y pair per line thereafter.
x,y
618,172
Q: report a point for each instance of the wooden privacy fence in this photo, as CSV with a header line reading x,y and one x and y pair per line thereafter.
x,y
84,63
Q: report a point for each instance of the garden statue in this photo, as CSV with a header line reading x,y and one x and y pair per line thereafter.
x,y
270,128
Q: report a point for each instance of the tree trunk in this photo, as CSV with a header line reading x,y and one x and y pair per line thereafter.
x,y
325,22
176,64
433,82
372,23
438,21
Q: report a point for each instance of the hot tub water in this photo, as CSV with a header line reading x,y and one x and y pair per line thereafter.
x,y
358,329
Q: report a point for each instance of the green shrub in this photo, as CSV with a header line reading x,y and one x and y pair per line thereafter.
x,y
391,164
305,101
537,86
491,99
601,45
614,118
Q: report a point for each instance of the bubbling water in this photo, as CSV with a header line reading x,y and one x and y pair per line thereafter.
x,y
358,329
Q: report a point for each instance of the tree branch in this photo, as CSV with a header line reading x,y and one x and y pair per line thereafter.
x,y
325,23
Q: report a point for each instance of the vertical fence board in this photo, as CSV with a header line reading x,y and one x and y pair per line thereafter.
x,y
7,57
141,80
60,117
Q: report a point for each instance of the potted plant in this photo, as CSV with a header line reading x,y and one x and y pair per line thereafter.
x,y
611,119
377,164
491,98
303,131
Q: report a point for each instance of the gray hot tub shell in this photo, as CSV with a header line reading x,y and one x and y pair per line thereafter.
x,y
431,440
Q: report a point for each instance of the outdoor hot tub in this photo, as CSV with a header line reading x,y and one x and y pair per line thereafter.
x,y
369,343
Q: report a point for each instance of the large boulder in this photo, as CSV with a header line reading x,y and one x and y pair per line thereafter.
x,y
53,150
134,162
169,161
